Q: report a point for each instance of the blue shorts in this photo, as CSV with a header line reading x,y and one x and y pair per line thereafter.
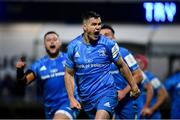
x,y
126,109
108,102
71,113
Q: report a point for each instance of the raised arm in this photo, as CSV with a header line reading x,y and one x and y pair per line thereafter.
x,y
23,77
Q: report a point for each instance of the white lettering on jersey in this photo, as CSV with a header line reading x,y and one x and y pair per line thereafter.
x,y
114,72
77,54
90,65
130,60
155,83
115,50
43,68
52,75
54,70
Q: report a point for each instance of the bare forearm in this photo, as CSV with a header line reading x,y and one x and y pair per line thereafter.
x,y
137,75
128,75
161,97
69,84
149,94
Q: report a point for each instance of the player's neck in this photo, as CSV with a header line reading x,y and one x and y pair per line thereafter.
x,y
86,38
53,56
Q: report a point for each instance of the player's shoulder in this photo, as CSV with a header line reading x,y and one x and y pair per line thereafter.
x,y
43,59
106,41
124,50
40,61
76,41
148,73
63,54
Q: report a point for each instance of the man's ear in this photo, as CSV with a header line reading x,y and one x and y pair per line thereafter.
x,y
84,27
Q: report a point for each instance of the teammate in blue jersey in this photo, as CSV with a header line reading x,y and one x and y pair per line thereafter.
x,y
89,57
160,93
172,84
127,107
49,73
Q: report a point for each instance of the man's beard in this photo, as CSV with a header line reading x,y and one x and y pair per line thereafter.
x,y
53,55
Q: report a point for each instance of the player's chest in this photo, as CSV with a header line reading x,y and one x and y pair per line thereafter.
x,y
90,54
52,70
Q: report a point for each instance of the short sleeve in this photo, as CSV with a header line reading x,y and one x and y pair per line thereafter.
x,y
69,56
114,50
129,59
145,79
34,67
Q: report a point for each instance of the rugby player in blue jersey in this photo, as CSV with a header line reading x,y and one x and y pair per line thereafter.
x,y
160,93
49,73
127,107
172,84
89,58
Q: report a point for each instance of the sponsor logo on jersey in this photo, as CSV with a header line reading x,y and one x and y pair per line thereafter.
x,y
107,104
54,70
77,54
43,68
52,75
102,52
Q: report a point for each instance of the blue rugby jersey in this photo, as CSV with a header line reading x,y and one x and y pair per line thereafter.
x,y
92,67
50,76
172,84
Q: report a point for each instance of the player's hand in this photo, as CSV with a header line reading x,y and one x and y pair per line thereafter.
x,y
146,112
21,63
135,92
75,104
121,94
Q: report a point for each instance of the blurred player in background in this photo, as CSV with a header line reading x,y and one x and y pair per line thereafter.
x,y
126,108
89,57
172,84
160,93
49,73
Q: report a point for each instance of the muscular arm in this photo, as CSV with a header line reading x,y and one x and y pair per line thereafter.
x,y
149,94
127,74
24,78
162,95
137,75
69,83
148,111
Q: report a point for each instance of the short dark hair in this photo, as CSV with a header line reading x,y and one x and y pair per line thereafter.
x,y
90,14
105,26
50,32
